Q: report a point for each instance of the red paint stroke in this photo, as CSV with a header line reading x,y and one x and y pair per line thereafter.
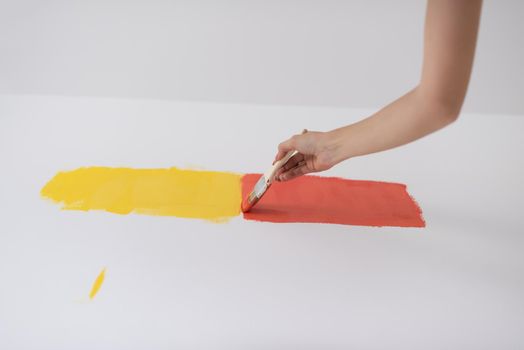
x,y
333,200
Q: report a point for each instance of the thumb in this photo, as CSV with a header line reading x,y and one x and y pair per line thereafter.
x,y
301,143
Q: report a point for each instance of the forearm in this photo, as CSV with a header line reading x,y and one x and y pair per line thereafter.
x,y
450,38
449,46
409,118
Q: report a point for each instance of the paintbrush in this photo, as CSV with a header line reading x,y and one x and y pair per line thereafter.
x,y
265,181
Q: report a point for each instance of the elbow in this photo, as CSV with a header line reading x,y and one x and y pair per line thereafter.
x,y
449,113
443,108
446,109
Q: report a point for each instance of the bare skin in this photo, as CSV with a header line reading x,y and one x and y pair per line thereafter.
x,y
450,37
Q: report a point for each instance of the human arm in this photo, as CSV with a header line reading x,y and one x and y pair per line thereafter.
x,y
450,37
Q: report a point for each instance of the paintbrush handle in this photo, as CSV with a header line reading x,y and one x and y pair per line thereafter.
x,y
280,163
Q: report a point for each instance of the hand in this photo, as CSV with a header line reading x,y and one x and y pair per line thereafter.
x,y
316,153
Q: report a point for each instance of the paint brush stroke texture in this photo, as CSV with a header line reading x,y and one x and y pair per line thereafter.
x,y
217,196
335,201
209,195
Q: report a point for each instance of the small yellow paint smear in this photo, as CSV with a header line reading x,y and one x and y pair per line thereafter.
x,y
209,195
98,283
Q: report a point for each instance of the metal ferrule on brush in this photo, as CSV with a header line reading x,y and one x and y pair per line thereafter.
x,y
265,181
256,194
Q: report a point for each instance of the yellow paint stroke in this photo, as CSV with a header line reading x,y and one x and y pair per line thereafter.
x,y
209,195
98,283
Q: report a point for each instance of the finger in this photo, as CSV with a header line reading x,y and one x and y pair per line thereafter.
x,y
295,161
295,172
310,162
283,149
291,163
296,142
277,175
278,156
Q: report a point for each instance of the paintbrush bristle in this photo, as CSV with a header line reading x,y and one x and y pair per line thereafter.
x,y
254,196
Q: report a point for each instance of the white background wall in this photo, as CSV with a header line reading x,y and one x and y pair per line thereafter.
x,y
341,53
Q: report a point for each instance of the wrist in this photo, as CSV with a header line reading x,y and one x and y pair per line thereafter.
x,y
335,146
